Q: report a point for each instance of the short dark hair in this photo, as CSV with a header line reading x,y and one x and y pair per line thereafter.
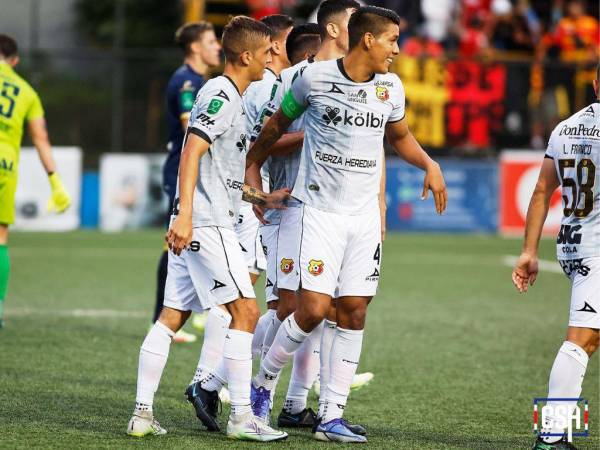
x,y
300,38
278,24
189,33
330,8
369,19
241,34
8,46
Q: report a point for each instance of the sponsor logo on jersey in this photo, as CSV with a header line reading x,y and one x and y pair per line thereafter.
x,y
343,161
333,116
382,93
315,267
357,97
214,106
241,144
580,130
194,246
204,119
568,234
571,266
287,265
588,112
235,184
217,285
223,94
6,165
587,308
374,276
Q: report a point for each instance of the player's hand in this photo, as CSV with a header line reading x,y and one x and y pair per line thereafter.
x,y
525,272
259,212
60,199
278,199
179,235
434,182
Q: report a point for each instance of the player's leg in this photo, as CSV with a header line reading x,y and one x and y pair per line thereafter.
x,y
8,186
570,364
4,268
181,299
320,257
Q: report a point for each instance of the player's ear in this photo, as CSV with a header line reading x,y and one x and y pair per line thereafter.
x,y
13,61
333,30
245,58
368,40
276,47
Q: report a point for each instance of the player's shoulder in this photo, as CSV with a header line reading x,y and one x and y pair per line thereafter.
x,y
289,74
26,90
584,123
184,77
221,87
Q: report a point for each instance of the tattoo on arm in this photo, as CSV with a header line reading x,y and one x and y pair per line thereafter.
x,y
253,195
271,132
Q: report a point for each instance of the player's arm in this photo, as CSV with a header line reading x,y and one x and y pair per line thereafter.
x,y
59,199
525,271
180,232
259,152
407,147
382,203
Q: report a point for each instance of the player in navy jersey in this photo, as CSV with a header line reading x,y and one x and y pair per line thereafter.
x,y
201,49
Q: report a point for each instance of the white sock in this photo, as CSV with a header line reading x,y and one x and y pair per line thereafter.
x,y
237,355
325,357
345,354
264,322
565,381
289,337
304,372
211,355
153,357
270,334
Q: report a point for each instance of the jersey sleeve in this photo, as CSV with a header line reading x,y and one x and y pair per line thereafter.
x,y
399,101
36,109
267,110
212,115
186,97
295,100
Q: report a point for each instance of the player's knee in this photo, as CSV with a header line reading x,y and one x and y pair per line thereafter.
x,y
592,343
309,316
286,307
352,320
173,318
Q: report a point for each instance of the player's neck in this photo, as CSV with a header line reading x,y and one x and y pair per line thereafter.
x,y
278,65
357,67
329,50
197,64
238,76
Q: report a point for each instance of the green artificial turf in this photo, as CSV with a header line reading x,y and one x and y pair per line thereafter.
x,y
458,355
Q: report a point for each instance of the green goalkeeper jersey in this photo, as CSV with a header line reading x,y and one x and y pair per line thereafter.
x,y
18,103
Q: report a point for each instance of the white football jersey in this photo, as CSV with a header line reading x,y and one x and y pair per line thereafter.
x,y
218,117
575,148
344,126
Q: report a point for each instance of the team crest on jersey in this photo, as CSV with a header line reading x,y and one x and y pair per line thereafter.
x,y
332,115
382,93
315,267
287,265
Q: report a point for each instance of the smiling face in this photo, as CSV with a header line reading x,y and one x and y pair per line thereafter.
x,y
209,48
383,48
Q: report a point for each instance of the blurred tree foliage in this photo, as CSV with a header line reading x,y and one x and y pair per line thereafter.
x,y
148,23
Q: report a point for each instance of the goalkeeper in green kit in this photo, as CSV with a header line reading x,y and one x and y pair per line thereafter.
x,y
20,104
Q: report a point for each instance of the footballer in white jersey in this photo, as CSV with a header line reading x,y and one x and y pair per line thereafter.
x,y
572,161
349,104
206,267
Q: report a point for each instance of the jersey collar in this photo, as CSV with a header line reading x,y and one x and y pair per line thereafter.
x,y
340,65
234,85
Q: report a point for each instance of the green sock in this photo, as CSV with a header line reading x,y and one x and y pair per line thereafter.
x,y
4,271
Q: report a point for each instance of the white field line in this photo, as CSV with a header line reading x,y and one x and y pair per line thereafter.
x,y
92,313
543,264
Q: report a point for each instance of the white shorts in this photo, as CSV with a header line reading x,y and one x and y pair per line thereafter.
x,y
340,255
211,271
288,248
249,237
585,291
268,236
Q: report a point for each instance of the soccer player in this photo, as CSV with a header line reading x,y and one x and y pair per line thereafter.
x,y
572,161
348,105
201,49
333,16
19,103
207,269
257,94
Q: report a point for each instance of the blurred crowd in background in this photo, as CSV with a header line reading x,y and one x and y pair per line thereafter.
x,y
480,75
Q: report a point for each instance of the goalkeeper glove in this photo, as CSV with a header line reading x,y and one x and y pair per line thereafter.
x,y
59,198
